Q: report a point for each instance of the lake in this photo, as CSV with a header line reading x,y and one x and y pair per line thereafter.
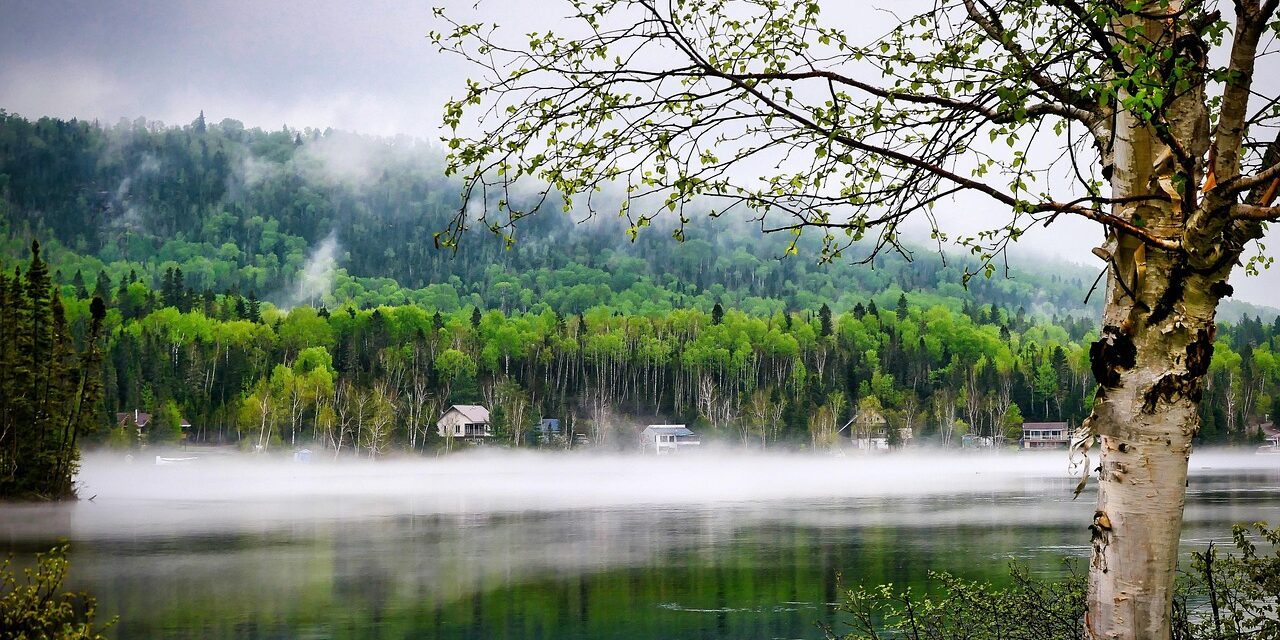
x,y
512,545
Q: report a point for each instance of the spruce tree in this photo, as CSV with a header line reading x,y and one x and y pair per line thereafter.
x,y
254,308
59,373
46,389
77,281
179,290
166,285
8,380
102,287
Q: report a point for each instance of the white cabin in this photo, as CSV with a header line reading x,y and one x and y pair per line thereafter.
x,y
469,421
1045,435
667,438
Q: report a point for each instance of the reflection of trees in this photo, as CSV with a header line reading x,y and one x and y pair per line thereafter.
x,y
722,572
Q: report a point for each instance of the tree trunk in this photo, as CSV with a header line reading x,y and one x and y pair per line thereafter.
x,y
1145,417
1155,347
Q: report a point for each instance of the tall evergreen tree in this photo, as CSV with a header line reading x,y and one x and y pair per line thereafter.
x,y
824,318
253,307
45,388
77,282
102,287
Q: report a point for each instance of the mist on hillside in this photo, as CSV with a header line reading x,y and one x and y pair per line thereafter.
x,y
249,210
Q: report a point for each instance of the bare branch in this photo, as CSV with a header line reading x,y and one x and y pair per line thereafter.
x,y
1255,212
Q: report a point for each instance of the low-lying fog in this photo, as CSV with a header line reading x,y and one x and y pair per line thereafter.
x,y
232,492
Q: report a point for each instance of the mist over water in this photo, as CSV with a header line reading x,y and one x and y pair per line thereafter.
x,y
230,492
503,544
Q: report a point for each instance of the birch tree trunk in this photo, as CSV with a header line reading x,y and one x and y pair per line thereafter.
x,y
1155,346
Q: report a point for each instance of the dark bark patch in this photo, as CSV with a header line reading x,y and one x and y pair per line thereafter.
x,y
1112,353
1172,293
1221,290
1169,388
1200,352
1183,385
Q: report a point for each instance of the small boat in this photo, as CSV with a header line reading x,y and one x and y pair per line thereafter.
x,y
161,460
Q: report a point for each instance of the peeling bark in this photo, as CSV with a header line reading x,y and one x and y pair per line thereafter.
x,y
1145,416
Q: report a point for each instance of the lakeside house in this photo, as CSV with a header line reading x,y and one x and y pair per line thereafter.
x,y
667,438
136,418
1045,435
869,431
141,421
469,421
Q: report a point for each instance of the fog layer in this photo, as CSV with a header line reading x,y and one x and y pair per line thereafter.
x,y
214,493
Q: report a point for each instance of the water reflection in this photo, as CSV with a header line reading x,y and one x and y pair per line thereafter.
x,y
566,548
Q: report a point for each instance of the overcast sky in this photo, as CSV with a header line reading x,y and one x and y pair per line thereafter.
x,y
359,66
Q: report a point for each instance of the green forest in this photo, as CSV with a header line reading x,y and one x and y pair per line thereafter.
x,y
282,288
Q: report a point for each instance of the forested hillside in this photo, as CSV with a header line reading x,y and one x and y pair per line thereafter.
x,y
369,380
283,287
249,210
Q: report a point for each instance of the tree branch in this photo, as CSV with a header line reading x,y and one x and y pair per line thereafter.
x,y
1251,22
1255,212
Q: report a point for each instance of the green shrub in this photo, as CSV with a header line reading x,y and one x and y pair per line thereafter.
x,y
1221,597
35,606
1233,596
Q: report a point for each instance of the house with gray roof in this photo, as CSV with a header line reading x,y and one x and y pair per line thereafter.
x,y
662,439
1045,435
469,421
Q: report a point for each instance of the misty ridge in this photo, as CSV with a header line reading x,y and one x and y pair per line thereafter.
x,y
330,218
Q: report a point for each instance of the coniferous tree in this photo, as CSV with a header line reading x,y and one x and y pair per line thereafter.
x,y
166,287
253,308
45,387
102,287
179,289
824,317
77,282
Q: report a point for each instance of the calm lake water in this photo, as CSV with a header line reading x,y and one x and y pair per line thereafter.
x,y
526,546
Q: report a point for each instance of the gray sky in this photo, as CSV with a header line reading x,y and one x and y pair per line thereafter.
x,y
365,67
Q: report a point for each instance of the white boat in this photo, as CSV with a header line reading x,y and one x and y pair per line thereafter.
x,y
161,460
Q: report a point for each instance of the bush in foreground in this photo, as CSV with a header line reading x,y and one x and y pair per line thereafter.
x,y
35,606
1221,596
